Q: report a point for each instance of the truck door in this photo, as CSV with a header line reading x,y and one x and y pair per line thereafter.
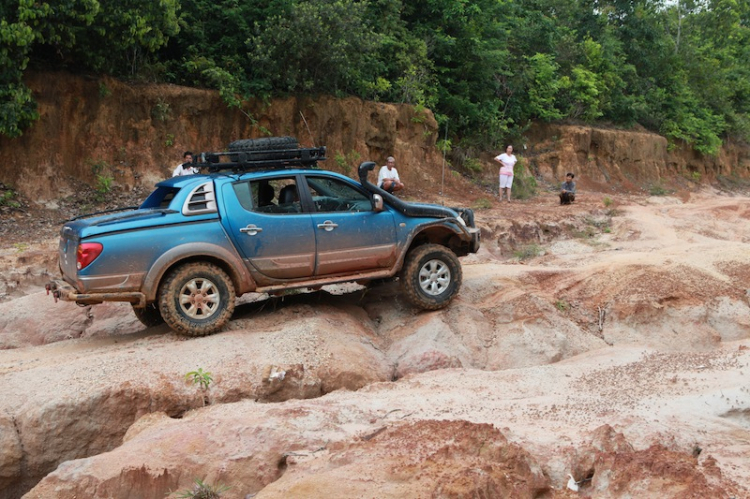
x,y
265,221
350,236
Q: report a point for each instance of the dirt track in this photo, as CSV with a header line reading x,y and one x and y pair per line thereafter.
x,y
608,340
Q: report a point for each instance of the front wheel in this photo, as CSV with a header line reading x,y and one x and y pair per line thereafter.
x,y
197,299
431,276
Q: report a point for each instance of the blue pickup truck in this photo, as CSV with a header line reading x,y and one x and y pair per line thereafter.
x,y
260,217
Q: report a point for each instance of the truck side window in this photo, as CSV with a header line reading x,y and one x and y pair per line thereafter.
x,y
330,195
273,196
242,191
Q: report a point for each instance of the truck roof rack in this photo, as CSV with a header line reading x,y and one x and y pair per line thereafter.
x,y
242,161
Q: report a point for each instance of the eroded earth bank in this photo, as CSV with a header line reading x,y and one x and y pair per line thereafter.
x,y
604,343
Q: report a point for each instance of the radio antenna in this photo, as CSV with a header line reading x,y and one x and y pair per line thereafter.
x,y
308,128
445,146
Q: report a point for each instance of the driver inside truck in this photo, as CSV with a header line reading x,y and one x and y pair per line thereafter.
x,y
265,194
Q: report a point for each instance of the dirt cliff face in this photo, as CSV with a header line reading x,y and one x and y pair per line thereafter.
x,y
605,159
136,134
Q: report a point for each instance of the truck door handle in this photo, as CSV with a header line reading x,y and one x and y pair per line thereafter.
x,y
328,226
251,229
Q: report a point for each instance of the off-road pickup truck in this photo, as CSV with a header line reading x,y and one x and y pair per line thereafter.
x,y
260,217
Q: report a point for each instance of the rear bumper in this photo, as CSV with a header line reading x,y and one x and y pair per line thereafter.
x,y
61,290
475,239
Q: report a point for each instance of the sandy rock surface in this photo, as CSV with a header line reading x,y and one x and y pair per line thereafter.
x,y
605,341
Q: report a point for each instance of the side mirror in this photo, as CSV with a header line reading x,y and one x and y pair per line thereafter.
x,y
377,203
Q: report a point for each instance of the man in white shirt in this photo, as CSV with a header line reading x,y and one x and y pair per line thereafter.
x,y
388,176
184,168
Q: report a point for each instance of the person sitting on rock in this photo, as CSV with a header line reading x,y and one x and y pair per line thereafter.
x,y
388,178
568,190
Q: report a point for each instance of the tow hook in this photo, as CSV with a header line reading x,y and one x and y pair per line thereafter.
x,y
55,292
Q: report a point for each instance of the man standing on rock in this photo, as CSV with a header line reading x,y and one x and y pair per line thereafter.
x,y
184,168
388,176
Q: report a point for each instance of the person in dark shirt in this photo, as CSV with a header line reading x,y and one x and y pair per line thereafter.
x,y
568,190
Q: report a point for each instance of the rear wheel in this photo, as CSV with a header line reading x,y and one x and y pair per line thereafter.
x,y
431,276
197,299
150,315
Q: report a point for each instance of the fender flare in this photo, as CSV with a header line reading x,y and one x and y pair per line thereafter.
x,y
228,260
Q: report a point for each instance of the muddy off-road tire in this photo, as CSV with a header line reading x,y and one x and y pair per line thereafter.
x,y
431,276
197,299
149,316
264,144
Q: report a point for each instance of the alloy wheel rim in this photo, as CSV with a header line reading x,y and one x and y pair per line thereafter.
x,y
199,298
434,277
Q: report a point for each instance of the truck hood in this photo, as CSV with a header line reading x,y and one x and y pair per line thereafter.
x,y
413,209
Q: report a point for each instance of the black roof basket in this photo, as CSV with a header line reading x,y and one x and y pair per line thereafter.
x,y
242,161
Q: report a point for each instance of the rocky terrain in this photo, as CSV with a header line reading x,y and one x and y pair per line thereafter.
x,y
607,340
595,350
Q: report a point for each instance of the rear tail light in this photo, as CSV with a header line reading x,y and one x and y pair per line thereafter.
x,y
87,253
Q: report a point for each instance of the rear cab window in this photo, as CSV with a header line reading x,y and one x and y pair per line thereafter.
x,y
161,198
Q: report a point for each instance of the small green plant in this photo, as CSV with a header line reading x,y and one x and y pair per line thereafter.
x,y
696,176
607,201
562,305
444,146
528,251
201,490
525,185
103,185
345,161
341,162
657,190
482,204
104,91
161,110
607,230
7,199
265,131
104,179
200,377
473,165
419,114
378,88
169,141
21,247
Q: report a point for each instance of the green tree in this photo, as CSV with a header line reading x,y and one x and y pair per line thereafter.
x,y
17,107
321,46
108,36
543,87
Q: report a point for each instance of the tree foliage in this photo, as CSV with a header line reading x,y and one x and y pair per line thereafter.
x,y
488,68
